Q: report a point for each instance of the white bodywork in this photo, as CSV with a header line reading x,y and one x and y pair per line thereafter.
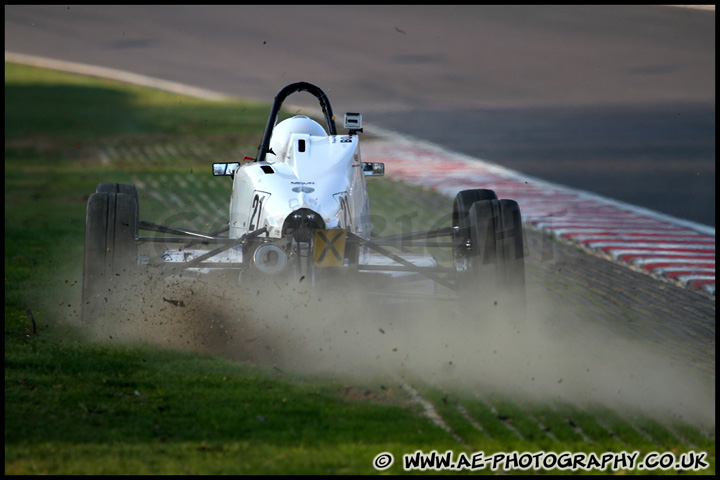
x,y
320,173
304,195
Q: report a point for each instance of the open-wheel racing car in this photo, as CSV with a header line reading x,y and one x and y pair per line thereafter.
x,y
299,211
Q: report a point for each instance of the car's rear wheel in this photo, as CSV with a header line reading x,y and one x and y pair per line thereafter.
x,y
110,258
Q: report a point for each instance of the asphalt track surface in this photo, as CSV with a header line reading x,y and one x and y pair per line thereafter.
x,y
615,100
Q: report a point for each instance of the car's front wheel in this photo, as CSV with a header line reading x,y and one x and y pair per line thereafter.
x,y
490,259
110,257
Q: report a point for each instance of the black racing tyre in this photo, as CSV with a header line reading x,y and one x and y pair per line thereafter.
x,y
110,187
111,226
461,230
462,203
484,253
126,188
493,269
513,248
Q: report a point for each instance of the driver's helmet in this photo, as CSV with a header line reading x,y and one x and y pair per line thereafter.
x,y
283,131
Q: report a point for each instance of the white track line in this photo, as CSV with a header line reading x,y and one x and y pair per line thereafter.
x,y
113,74
495,412
431,413
474,423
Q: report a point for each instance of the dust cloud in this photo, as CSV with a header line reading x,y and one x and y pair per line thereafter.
x,y
546,353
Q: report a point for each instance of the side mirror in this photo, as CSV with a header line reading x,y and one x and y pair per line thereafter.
x,y
225,169
373,169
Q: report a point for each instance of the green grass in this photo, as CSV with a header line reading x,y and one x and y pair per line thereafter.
x,y
77,407
76,109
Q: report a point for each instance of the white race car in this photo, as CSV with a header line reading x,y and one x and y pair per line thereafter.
x,y
300,211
